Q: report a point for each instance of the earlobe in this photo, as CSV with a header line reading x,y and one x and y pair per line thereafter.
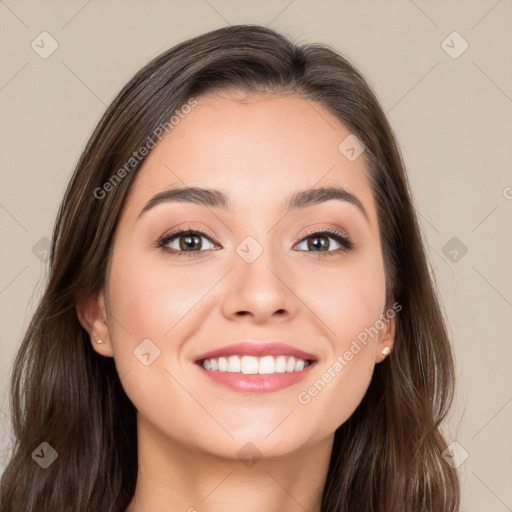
x,y
92,315
386,350
385,345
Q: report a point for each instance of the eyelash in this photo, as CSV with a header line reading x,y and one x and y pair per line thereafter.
x,y
347,245
165,239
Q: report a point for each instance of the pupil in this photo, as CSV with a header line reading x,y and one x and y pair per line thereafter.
x,y
324,243
190,241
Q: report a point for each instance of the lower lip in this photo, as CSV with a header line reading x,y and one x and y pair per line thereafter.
x,y
257,383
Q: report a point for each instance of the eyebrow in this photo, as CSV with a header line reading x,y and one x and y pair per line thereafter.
x,y
217,199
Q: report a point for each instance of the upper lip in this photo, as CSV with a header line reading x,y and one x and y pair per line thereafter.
x,y
256,349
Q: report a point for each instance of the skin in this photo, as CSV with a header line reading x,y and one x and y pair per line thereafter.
x,y
257,149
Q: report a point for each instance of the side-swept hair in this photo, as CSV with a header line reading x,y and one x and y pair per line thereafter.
x,y
386,457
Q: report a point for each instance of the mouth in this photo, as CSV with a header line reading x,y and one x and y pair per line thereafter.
x,y
250,365
255,367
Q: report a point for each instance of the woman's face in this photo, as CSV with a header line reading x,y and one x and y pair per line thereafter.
x,y
259,274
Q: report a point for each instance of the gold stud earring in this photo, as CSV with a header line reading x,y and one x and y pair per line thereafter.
x,y
386,351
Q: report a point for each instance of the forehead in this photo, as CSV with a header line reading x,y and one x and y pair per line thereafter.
x,y
257,148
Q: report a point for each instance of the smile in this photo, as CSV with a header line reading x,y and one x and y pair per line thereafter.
x,y
250,365
263,374
255,366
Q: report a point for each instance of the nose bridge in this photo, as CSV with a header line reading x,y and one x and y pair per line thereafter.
x,y
257,284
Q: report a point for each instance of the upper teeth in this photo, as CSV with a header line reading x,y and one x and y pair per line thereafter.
x,y
253,365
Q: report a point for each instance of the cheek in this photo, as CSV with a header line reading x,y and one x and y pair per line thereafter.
x,y
349,302
158,303
148,297
348,299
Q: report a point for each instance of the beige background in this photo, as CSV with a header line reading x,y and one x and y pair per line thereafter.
x,y
452,117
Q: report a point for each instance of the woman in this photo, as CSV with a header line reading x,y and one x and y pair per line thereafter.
x,y
239,313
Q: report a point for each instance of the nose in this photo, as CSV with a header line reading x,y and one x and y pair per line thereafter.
x,y
260,290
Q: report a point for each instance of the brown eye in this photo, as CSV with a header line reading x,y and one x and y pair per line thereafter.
x,y
186,241
321,241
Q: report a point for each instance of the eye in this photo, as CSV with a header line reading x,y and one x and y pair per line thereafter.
x,y
318,241
186,242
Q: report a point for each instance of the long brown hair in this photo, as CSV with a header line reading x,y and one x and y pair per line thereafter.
x,y
386,457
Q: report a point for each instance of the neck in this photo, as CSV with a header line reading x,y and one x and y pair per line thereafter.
x,y
176,477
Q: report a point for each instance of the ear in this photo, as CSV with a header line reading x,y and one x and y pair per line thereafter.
x,y
386,339
92,315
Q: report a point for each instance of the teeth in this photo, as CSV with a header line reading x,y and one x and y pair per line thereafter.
x,y
280,365
223,364
251,365
266,365
233,364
